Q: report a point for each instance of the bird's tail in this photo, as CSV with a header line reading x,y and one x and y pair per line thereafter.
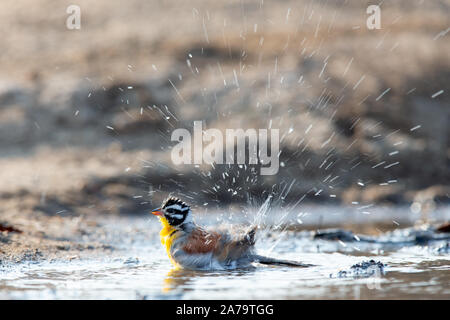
x,y
250,236
279,262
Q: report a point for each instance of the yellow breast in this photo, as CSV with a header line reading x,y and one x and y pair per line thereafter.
x,y
167,235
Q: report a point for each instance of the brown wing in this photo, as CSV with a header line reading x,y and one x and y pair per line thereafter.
x,y
232,249
201,241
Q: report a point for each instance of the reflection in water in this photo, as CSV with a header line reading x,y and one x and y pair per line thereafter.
x,y
183,280
177,278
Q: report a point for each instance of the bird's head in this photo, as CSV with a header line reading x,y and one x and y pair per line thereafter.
x,y
174,212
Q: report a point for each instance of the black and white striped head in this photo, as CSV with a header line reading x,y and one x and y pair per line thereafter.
x,y
175,211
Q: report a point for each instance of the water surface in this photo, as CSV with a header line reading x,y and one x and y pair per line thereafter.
x,y
138,268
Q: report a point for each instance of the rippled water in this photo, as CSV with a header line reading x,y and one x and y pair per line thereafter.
x,y
139,269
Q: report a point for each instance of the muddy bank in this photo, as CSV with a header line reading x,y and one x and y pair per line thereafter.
x,y
357,110
34,238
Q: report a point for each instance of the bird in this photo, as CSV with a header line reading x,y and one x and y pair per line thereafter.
x,y
192,247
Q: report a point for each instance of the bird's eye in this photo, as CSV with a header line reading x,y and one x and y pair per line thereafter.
x,y
170,211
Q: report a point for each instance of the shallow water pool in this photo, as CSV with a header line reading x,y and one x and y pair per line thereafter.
x,y
138,268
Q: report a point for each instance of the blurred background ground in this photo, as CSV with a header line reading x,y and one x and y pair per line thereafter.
x,y
86,115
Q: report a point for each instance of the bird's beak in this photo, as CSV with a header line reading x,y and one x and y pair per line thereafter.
x,y
157,212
